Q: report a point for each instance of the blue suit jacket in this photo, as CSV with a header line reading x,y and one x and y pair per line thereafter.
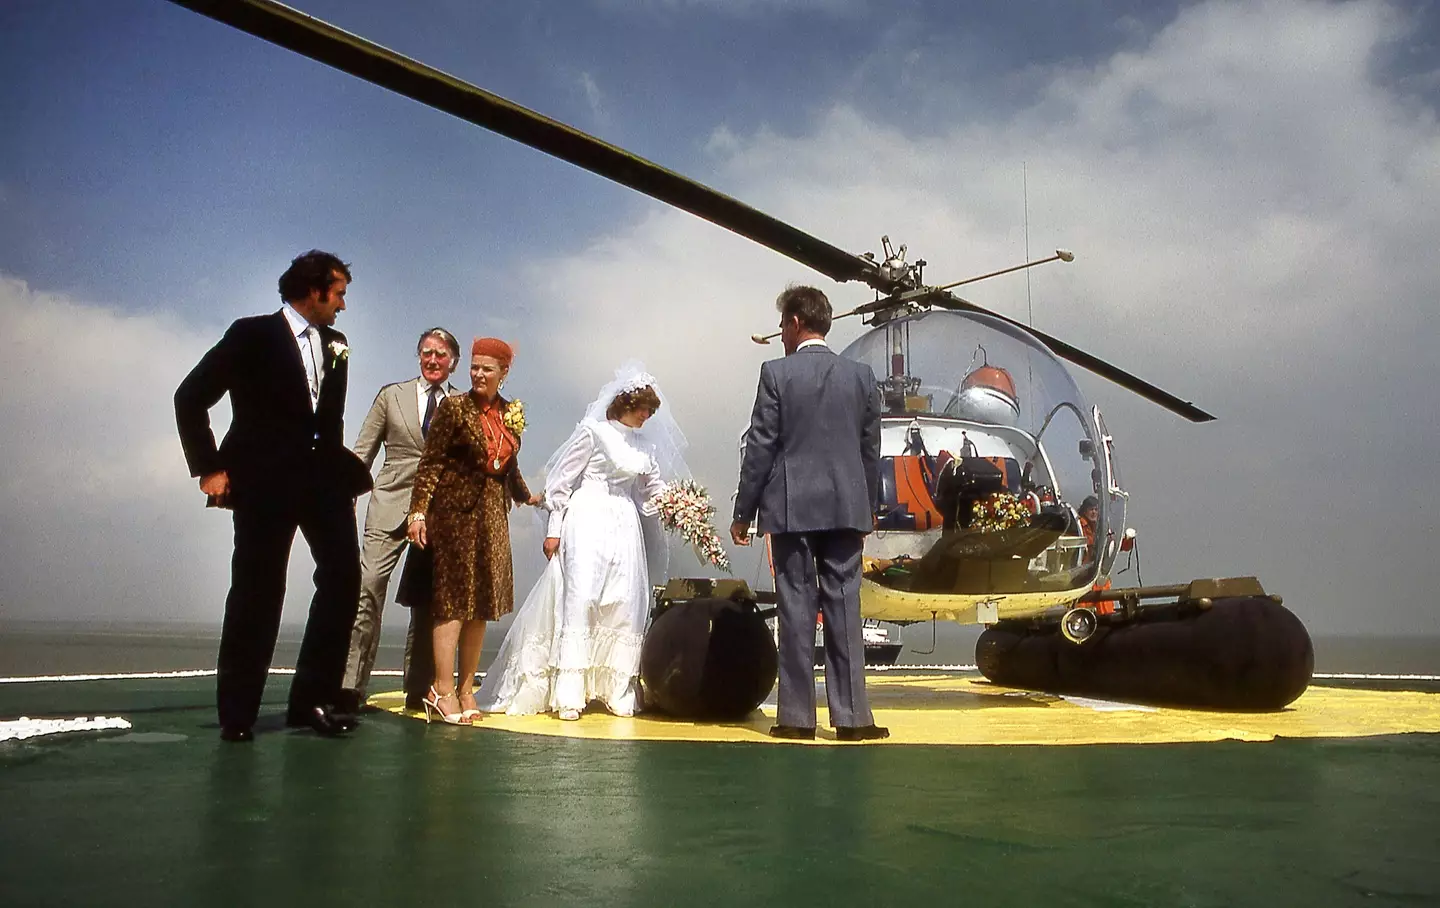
x,y
812,452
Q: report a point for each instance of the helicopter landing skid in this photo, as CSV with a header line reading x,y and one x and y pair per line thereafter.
x,y
1210,644
1195,595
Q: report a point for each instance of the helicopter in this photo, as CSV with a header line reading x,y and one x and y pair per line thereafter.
x,y
977,412
1001,502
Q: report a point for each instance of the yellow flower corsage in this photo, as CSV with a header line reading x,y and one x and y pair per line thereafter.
x,y
514,417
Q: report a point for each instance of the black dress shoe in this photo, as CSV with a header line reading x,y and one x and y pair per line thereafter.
x,y
349,701
860,733
325,720
236,735
792,732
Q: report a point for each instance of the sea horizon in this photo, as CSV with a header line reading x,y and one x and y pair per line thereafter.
x,y
101,646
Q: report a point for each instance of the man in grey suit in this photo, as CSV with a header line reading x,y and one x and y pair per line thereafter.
x,y
399,419
811,471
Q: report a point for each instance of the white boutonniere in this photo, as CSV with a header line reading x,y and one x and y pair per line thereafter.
x,y
338,353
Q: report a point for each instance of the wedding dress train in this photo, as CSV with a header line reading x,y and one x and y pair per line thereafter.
x,y
577,637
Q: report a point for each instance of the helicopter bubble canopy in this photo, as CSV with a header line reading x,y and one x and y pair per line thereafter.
x,y
964,385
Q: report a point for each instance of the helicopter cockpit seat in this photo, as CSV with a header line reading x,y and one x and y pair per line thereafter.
x,y
962,482
907,493
1009,469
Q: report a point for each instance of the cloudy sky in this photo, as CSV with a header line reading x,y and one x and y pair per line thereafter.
x,y
1250,188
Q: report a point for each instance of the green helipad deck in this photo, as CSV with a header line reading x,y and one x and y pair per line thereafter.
x,y
404,813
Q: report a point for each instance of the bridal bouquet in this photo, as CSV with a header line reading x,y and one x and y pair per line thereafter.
x,y
685,510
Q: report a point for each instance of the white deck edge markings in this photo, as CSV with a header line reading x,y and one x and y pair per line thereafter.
x,y
24,728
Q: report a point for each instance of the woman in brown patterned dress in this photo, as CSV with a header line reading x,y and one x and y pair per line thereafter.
x,y
467,478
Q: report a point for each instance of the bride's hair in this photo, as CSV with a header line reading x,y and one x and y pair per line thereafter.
x,y
626,401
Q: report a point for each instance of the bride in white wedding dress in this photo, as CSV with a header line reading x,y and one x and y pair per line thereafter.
x,y
577,637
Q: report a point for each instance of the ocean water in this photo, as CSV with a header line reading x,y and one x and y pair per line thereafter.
x,y
60,648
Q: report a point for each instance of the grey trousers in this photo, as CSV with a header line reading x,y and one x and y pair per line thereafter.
x,y
379,554
820,571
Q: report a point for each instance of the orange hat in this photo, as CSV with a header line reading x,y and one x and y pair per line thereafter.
x,y
493,346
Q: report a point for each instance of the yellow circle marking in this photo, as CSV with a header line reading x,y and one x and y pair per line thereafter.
x,y
966,710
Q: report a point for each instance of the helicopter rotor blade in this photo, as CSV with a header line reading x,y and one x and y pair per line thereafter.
x,y
1087,361
311,37
320,41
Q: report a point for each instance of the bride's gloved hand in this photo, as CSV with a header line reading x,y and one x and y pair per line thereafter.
x,y
552,545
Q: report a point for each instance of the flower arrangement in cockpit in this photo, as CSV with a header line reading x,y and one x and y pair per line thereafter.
x,y
998,511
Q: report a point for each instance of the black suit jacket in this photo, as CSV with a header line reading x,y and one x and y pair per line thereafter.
x,y
276,447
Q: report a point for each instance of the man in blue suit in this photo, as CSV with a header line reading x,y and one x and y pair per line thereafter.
x,y
811,473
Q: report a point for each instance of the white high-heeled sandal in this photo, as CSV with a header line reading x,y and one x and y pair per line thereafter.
x,y
432,701
471,714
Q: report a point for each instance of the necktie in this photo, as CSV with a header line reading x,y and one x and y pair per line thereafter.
x,y
430,410
312,365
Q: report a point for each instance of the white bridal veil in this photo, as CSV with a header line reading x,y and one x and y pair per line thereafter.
x,y
660,436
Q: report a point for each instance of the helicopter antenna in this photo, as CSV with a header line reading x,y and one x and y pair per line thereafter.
x,y
1029,306
1025,196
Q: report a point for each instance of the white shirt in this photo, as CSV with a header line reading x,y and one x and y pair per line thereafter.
x,y
812,342
311,356
422,395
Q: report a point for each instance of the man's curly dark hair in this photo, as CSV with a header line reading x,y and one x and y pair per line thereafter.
x,y
314,270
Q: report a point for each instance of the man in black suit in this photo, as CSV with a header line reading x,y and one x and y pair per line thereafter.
x,y
282,466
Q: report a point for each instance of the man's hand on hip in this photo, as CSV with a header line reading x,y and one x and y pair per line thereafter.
x,y
217,486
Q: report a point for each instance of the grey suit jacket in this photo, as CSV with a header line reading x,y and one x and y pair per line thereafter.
x,y
812,453
394,421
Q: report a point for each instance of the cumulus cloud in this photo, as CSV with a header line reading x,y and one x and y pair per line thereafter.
x,y
69,361
593,97
1249,201
100,517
